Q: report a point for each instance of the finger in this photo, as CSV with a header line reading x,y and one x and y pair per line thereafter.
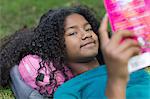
x,y
103,34
127,44
119,36
131,52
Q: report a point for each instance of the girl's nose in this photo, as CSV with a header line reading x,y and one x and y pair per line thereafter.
x,y
85,34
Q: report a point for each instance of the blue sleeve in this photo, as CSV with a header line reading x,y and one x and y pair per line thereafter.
x,y
139,85
65,96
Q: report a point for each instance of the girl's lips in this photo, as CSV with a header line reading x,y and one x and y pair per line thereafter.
x,y
88,44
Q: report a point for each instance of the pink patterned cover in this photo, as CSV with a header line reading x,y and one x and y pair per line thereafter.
x,y
132,15
28,69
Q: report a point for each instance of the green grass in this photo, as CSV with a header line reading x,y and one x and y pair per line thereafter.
x,y
15,14
6,93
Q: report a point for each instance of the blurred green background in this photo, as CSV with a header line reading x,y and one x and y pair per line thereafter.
x,y
16,14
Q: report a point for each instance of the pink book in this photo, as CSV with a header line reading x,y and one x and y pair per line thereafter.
x,y
132,15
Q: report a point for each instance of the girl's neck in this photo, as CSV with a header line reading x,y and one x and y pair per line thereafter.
x,y
78,68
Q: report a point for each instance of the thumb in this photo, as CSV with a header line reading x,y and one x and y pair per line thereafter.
x,y
103,33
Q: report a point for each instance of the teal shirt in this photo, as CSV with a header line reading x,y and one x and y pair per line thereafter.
x,y
92,85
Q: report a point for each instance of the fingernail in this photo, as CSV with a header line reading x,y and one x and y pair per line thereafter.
x,y
105,15
141,41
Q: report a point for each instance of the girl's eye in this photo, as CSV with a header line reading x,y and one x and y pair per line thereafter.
x,y
89,29
73,33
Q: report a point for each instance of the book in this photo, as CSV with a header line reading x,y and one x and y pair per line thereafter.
x,y
132,15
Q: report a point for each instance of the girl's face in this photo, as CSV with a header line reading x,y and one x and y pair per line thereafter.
x,y
81,42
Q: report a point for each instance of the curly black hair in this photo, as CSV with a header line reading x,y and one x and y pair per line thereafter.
x,y
47,42
12,49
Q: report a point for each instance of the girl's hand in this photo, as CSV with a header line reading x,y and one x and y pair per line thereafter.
x,y
116,55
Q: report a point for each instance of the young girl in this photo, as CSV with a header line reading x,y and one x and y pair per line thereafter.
x,y
68,39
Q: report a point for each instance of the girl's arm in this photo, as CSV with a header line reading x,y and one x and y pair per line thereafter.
x,y
117,53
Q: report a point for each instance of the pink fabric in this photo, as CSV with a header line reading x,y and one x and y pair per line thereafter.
x,y
28,69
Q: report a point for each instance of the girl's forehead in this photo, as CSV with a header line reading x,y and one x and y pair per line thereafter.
x,y
74,19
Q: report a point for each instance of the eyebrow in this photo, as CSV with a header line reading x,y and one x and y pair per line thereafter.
x,y
72,27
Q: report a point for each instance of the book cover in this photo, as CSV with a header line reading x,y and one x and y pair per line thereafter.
x,y
132,15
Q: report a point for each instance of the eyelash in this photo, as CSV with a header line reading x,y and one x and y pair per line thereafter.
x,y
89,29
73,33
